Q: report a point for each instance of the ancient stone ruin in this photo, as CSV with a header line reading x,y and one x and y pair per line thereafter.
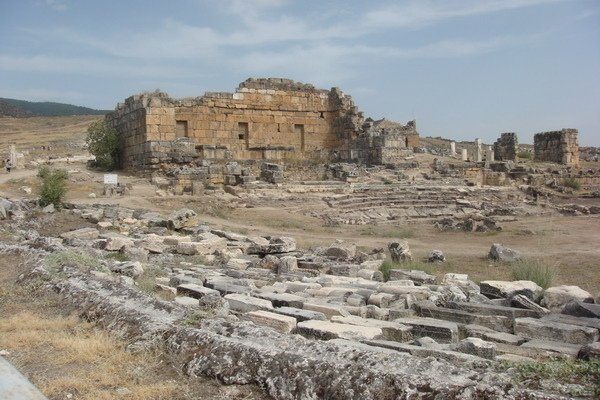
x,y
265,119
385,142
560,147
505,148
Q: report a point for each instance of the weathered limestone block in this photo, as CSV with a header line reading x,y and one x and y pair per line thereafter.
x,y
204,247
341,250
195,291
329,310
132,269
507,289
238,263
117,243
590,352
417,276
567,349
495,322
581,309
444,331
175,240
521,301
420,351
282,299
499,252
301,315
491,335
186,301
436,256
244,303
491,309
275,244
82,234
418,292
476,347
279,322
555,331
556,297
390,330
325,330
181,219
571,320
399,251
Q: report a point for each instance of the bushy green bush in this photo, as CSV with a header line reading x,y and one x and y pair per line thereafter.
x,y
103,142
525,155
571,182
54,186
532,270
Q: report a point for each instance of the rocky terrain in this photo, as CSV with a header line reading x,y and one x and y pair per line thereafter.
x,y
325,322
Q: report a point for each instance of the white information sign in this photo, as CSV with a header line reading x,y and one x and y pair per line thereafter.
x,y
110,179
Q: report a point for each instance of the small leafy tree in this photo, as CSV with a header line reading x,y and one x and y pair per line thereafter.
x,y
103,143
54,186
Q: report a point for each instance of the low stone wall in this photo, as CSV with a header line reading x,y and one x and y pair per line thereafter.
x,y
561,147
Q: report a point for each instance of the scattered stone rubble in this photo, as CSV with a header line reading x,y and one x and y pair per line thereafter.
x,y
301,322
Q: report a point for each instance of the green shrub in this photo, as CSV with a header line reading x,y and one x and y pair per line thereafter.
x,y
54,186
526,155
532,270
385,268
56,261
571,182
103,142
117,257
585,373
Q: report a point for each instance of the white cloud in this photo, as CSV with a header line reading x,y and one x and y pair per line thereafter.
x,y
58,5
414,14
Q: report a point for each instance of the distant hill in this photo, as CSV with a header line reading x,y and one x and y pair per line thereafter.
x,y
22,108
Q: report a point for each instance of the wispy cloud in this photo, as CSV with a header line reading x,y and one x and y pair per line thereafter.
x,y
416,14
57,5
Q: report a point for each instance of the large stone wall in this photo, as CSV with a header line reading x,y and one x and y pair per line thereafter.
x,y
561,147
263,119
505,148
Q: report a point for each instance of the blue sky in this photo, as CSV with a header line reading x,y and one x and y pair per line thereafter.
x,y
462,68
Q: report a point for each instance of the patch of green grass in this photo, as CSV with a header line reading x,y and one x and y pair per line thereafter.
x,y
117,256
525,155
195,317
586,373
534,270
284,224
56,261
147,281
571,182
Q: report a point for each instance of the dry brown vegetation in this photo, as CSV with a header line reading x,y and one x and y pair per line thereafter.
x,y
63,355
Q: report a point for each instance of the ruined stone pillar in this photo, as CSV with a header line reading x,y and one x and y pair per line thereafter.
x,y
12,156
453,149
464,154
489,154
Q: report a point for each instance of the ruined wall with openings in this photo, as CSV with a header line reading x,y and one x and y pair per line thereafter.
x,y
561,147
505,148
267,119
